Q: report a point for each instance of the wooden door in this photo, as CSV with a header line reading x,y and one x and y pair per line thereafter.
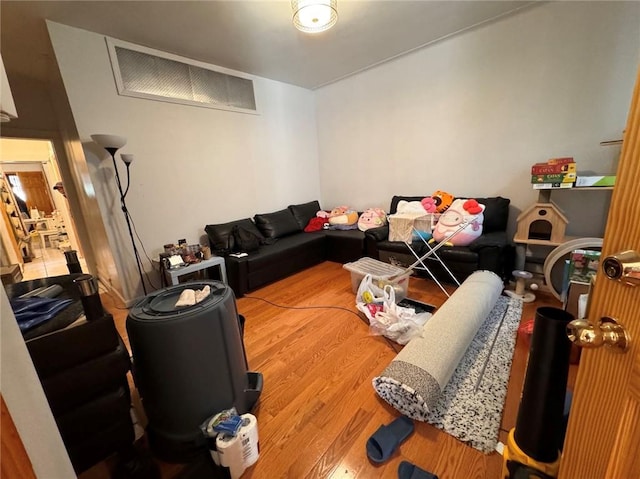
x,y
36,189
15,461
622,463
603,435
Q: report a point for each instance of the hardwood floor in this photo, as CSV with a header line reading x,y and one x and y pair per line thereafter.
x,y
15,460
318,406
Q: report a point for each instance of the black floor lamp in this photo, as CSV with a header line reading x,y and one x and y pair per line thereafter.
x,y
112,143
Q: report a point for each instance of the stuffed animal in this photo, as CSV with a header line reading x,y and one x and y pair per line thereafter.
x,y
316,223
343,216
410,207
443,200
372,218
429,204
407,223
338,210
450,221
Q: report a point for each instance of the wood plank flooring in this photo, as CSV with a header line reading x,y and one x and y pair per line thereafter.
x,y
318,406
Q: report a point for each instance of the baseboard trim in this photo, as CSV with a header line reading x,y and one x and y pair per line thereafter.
x,y
109,289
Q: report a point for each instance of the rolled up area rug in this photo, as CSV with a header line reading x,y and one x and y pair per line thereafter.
x,y
415,379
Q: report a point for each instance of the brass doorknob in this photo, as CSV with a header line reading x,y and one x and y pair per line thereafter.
x,y
605,332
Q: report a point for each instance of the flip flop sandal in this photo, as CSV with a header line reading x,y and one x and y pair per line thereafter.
x,y
406,470
386,439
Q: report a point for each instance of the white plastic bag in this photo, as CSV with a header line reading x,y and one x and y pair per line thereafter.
x,y
369,298
368,291
385,317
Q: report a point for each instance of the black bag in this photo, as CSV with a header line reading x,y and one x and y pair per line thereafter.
x,y
245,241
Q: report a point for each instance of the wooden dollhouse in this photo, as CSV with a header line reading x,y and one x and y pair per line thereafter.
x,y
541,222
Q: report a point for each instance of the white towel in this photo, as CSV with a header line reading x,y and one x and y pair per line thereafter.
x,y
202,293
189,297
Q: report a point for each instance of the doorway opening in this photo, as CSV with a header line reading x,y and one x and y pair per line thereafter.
x,y
37,227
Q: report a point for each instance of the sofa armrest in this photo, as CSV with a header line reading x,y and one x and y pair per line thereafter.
x,y
380,233
237,275
493,239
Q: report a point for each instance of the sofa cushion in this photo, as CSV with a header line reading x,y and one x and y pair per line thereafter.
x,y
278,224
271,256
221,235
286,256
344,246
457,254
304,212
497,239
246,241
401,247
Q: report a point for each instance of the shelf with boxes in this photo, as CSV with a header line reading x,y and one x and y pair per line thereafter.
x,y
540,231
540,238
561,173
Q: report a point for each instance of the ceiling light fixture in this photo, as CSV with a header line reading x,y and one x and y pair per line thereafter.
x,y
313,16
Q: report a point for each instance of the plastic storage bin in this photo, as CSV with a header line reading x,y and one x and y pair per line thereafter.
x,y
380,272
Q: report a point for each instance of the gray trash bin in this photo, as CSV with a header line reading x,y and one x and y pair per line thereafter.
x,y
188,364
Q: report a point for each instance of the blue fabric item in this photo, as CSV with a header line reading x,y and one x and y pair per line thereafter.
x,y
406,470
425,235
31,312
386,439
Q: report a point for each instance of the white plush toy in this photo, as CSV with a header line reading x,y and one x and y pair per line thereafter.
x,y
410,207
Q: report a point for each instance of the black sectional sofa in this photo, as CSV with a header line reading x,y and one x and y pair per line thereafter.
x,y
492,251
285,247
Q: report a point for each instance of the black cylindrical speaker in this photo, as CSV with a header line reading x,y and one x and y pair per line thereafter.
x,y
90,297
539,427
73,264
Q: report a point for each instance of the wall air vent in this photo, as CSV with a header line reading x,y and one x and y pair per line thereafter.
x,y
145,73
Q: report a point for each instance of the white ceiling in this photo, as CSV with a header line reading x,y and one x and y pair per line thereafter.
x,y
255,37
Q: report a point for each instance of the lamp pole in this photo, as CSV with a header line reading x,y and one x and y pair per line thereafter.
x,y
123,205
112,143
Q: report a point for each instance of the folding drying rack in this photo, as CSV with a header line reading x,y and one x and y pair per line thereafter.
x,y
419,264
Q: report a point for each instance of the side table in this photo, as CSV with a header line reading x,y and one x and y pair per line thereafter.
x,y
173,275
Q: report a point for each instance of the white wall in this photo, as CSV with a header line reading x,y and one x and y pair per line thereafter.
x,y
468,115
193,166
471,114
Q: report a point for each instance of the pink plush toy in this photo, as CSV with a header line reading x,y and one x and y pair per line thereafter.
x,y
372,218
429,204
459,212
